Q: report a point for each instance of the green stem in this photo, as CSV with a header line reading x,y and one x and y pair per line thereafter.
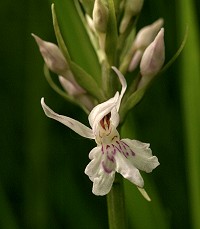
x,y
116,205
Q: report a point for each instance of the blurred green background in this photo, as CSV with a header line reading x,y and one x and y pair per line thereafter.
x,y
42,180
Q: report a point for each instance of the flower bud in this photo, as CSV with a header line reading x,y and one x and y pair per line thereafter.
x,y
144,37
100,16
147,34
152,59
135,60
52,55
72,88
131,9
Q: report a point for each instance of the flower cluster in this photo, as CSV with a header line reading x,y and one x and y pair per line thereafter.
x,y
112,154
111,28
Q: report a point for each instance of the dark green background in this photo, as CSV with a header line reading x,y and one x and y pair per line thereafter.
x,y
42,180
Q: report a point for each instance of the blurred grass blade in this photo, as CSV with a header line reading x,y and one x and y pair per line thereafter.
x,y
7,218
142,213
190,83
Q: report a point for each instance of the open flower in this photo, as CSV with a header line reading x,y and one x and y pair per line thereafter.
x,y
111,154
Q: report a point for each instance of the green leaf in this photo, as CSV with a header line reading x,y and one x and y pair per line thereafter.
x,y
86,81
130,101
76,38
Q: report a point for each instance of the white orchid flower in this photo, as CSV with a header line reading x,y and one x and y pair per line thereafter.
x,y
111,154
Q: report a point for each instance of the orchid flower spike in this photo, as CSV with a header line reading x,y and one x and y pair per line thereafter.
x,y
112,154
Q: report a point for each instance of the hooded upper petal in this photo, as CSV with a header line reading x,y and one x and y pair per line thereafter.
x,y
101,110
124,86
112,105
76,126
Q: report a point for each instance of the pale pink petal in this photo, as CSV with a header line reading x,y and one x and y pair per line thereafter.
x,y
101,170
115,117
93,167
103,183
128,170
76,126
142,158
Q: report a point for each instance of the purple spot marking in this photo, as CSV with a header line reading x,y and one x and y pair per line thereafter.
x,y
111,158
102,149
107,170
115,147
132,153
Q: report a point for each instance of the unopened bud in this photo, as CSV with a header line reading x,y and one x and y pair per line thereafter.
x,y
52,56
147,34
72,88
135,60
100,16
144,38
152,59
131,9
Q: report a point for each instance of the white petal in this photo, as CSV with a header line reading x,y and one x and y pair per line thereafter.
x,y
103,183
128,170
76,126
115,117
99,111
123,83
93,167
112,105
143,158
101,171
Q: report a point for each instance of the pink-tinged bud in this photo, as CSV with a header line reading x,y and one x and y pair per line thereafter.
x,y
135,60
131,9
52,56
152,59
147,34
72,88
143,38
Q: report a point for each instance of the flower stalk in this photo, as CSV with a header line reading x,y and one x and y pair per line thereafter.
x,y
116,205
